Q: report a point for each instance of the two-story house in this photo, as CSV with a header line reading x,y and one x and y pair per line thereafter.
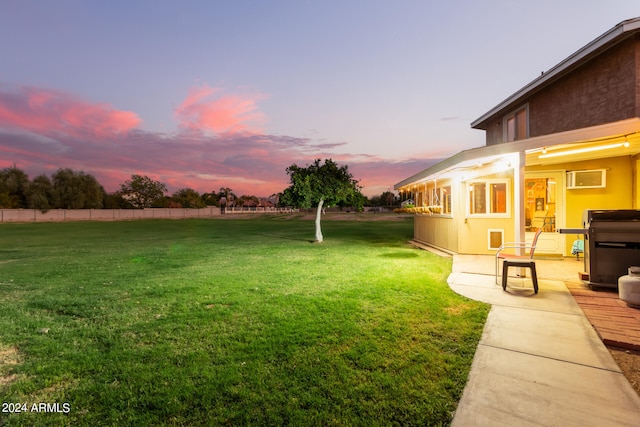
x,y
566,142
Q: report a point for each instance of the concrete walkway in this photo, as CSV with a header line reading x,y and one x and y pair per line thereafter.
x,y
539,361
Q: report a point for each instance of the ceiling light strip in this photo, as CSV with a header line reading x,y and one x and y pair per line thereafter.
x,y
583,150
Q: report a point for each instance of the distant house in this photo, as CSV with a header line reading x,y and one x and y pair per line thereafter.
x,y
267,203
566,142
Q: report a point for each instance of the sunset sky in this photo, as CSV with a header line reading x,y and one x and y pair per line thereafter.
x,y
210,94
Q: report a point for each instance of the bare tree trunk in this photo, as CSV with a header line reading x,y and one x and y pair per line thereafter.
x,y
318,214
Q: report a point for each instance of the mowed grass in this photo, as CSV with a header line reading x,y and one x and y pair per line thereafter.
x,y
230,322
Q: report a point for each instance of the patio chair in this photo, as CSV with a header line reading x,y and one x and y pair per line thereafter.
x,y
501,256
577,248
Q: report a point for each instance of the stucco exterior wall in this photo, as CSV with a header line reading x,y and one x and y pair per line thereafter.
x,y
618,194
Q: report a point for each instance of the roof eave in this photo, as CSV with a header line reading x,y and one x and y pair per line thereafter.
x,y
457,159
622,127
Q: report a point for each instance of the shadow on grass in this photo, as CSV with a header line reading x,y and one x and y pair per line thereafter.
x,y
376,233
285,237
400,255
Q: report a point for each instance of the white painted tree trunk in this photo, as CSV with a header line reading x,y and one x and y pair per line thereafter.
x,y
318,214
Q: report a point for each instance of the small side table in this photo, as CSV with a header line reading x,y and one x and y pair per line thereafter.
x,y
519,263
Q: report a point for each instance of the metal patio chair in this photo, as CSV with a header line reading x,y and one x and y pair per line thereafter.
x,y
502,256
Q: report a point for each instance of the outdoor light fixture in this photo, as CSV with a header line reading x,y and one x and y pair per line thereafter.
x,y
583,150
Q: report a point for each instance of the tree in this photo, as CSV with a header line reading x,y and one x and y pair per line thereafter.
x,y
210,199
188,198
318,184
248,201
226,198
142,191
116,201
356,200
385,199
13,188
40,193
77,190
388,198
228,194
275,198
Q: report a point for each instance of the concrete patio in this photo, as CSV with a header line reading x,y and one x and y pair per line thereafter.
x,y
539,361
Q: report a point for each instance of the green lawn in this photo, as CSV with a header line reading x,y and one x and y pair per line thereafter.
x,y
230,322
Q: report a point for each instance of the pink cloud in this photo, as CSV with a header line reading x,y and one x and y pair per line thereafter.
x,y
46,112
223,114
43,130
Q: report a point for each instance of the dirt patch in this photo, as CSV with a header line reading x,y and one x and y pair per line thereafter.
x,y
458,309
8,358
629,363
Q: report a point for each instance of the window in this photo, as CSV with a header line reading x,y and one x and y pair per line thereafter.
x,y
441,196
445,199
488,197
477,198
516,125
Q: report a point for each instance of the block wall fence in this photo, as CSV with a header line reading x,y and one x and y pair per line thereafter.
x,y
61,215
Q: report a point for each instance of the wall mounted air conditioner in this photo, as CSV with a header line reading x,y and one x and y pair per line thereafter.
x,y
596,178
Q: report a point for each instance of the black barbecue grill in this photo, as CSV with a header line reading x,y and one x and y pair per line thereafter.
x,y
612,244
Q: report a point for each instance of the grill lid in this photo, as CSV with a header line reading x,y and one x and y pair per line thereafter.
x,y
611,215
